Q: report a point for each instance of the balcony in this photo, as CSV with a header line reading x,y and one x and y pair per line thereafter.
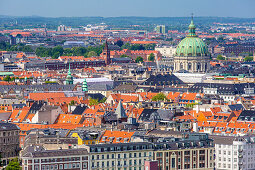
x,y
240,163
240,156
240,150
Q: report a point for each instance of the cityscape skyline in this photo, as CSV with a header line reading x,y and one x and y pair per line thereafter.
x,y
112,8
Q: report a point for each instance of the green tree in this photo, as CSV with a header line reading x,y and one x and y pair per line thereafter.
x,y
93,101
7,78
68,52
13,79
92,54
150,46
72,103
151,57
103,100
248,58
79,51
139,59
56,55
124,56
220,57
126,46
137,47
159,97
58,49
27,48
13,165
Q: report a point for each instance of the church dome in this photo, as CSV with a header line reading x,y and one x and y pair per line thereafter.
x,y
192,45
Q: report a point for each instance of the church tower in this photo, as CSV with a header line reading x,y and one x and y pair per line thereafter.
x,y
106,54
85,86
69,77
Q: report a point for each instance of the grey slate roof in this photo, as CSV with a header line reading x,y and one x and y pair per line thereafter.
x,y
44,87
167,79
8,126
156,115
120,111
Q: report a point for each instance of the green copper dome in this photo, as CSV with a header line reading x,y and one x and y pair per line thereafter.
x,y
192,45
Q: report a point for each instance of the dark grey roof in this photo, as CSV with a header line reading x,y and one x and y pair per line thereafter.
x,y
224,140
236,107
125,88
8,126
156,115
247,115
97,96
99,87
160,80
39,152
222,88
79,110
20,106
43,87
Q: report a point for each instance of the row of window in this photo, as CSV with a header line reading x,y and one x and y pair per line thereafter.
x,y
61,166
119,163
112,156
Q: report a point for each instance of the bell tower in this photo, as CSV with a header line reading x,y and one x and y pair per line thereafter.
x,y
106,54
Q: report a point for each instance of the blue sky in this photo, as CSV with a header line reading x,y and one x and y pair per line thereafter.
x,y
114,8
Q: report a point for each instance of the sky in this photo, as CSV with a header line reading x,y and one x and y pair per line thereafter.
x,y
116,8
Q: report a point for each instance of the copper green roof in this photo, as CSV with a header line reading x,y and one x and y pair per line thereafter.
x,y
192,45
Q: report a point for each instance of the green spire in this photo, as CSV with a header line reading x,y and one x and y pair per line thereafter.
x,y
69,70
192,27
84,86
69,77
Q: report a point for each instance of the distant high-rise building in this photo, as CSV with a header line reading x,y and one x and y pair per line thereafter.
x,y
161,29
62,28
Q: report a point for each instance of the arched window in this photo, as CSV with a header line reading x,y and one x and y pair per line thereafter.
x,y
189,66
181,66
198,66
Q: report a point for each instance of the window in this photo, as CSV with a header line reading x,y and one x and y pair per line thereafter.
x,y
60,166
66,166
173,162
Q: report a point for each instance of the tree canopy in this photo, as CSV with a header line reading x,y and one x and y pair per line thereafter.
x,y
159,97
248,58
124,56
139,59
220,57
151,57
92,54
93,101
13,165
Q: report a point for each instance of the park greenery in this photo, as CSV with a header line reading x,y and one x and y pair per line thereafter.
x,y
138,46
93,102
248,58
14,164
220,57
159,97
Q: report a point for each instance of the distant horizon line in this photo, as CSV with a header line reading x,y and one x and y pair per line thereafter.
x,y
2,15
